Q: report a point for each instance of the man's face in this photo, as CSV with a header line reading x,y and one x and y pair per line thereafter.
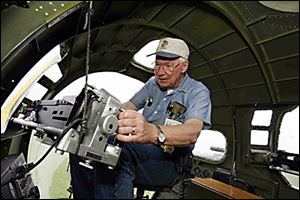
x,y
169,73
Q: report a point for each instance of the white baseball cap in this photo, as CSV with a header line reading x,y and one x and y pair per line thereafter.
x,y
172,48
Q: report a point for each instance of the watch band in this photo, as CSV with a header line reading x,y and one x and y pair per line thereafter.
x,y
159,133
166,148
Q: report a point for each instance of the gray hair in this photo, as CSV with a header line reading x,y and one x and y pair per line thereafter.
x,y
182,60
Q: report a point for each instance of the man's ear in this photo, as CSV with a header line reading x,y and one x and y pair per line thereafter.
x,y
184,67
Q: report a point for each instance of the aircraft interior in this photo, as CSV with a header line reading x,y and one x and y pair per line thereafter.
x,y
245,52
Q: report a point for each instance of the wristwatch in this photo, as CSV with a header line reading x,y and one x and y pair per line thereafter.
x,y
161,136
161,140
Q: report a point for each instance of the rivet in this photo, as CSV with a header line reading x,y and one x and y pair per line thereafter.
x,y
46,14
41,7
62,5
36,9
54,9
50,3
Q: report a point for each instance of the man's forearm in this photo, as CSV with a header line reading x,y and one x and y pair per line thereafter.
x,y
183,134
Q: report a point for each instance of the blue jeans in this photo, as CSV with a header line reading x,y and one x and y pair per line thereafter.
x,y
142,164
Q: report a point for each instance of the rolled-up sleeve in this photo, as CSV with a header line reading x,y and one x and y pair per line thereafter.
x,y
139,98
199,107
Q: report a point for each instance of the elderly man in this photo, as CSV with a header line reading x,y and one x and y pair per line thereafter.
x,y
152,149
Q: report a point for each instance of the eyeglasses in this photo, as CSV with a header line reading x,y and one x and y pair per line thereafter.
x,y
166,67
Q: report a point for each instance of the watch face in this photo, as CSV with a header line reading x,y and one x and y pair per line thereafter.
x,y
161,137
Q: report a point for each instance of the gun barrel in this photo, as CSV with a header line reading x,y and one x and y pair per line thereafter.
x,y
48,129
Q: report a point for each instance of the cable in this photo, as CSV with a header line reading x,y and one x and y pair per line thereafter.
x,y
85,101
32,166
88,22
246,185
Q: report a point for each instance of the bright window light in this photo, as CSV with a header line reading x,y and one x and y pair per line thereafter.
x,y
289,132
259,137
54,73
120,86
292,179
210,145
141,56
37,92
262,118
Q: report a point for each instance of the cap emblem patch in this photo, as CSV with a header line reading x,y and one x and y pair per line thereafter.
x,y
164,44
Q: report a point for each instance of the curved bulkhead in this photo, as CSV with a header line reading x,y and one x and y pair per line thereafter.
x,y
245,52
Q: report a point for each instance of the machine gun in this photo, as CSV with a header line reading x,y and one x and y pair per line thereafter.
x,y
88,135
63,124
284,161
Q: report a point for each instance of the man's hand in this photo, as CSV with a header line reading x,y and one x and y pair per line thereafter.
x,y
134,128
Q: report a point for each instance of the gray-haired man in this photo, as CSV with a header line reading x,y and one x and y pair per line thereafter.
x,y
152,150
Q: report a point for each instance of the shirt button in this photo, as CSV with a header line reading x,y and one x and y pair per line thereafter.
x,y
155,112
164,99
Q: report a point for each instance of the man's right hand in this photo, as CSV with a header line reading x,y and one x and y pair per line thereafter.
x,y
133,127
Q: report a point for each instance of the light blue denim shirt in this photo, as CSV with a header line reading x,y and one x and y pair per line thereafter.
x,y
194,95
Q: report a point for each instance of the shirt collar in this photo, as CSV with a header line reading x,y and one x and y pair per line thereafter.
x,y
183,86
